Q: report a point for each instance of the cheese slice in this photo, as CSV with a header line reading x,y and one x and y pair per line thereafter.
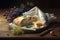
x,y
37,22
18,20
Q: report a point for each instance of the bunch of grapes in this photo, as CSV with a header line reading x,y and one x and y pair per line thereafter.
x,y
17,31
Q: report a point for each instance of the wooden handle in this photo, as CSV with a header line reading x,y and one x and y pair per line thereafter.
x,y
45,32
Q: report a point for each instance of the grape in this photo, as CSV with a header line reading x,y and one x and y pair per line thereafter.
x,y
17,30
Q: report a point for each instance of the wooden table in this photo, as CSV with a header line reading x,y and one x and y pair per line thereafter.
x,y
37,35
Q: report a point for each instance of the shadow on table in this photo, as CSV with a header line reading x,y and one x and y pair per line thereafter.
x,y
51,26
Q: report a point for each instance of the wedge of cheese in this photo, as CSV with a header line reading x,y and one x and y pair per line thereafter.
x,y
18,20
37,24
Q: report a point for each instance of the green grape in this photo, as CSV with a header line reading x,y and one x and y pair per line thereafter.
x,y
17,30
27,26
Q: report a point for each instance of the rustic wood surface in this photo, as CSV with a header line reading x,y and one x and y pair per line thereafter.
x,y
4,32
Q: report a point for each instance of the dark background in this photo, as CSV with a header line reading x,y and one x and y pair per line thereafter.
x,y
39,3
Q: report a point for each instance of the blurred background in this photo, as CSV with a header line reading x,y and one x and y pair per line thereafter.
x,y
39,3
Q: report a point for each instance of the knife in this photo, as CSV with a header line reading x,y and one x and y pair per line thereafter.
x,y
52,27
